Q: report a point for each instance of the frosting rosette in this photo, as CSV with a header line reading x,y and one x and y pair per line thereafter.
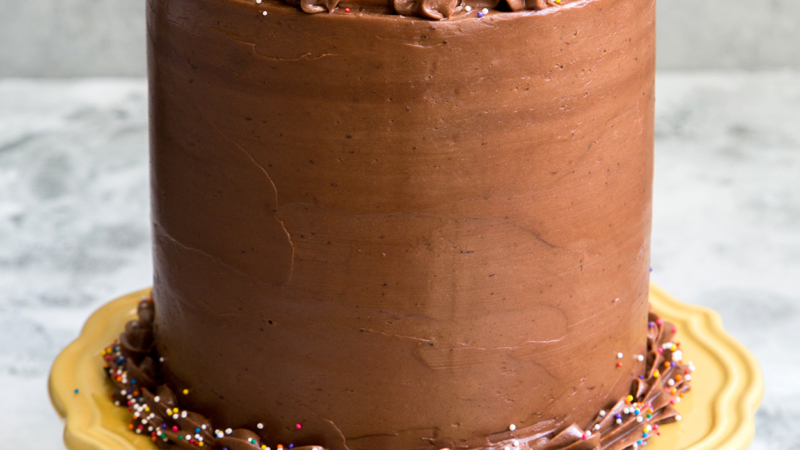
x,y
428,9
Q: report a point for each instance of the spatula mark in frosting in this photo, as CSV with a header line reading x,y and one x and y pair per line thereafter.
x,y
261,246
536,326
330,425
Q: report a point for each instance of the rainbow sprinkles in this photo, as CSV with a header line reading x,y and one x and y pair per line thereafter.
x,y
132,365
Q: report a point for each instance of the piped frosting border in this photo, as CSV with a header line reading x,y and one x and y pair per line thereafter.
x,y
428,9
133,366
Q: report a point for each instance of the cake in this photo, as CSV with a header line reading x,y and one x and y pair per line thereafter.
x,y
400,225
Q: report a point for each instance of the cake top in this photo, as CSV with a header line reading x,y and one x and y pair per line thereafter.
x,y
429,9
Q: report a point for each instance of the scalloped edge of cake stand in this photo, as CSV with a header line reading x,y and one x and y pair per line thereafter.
x,y
718,413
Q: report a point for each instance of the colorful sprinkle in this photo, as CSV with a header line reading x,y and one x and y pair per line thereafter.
x,y
144,421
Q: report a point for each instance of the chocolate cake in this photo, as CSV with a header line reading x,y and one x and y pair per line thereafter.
x,y
418,224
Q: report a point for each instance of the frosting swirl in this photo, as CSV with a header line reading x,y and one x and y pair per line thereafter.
x,y
429,9
132,364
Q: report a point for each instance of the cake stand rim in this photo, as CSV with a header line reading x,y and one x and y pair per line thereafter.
x,y
743,387
84,429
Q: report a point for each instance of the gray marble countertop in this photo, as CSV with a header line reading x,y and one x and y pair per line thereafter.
x,y
74,225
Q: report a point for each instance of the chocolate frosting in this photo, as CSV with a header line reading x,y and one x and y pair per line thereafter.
x,y
400,233
629,423
429,9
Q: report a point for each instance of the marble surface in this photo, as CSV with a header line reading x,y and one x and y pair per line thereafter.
x,y
74,229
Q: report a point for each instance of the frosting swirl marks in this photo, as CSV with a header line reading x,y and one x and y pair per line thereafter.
x,y
429,9
132,364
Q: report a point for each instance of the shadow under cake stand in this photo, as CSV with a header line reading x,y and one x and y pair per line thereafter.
x,y
718,413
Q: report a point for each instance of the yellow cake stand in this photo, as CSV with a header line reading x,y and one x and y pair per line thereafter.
x,y
718,412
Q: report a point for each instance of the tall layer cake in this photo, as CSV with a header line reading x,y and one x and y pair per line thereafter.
x,y
377,231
